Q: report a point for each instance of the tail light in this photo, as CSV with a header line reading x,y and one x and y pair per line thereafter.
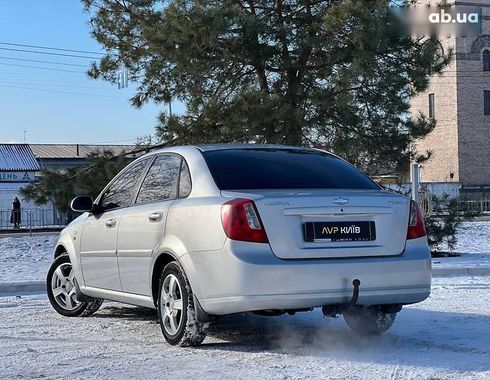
x,y
416,226
241,221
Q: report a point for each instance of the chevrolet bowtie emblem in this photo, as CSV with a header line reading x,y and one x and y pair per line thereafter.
x,y
340,201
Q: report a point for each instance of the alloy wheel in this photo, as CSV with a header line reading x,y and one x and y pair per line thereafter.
x,y
171,304
63,287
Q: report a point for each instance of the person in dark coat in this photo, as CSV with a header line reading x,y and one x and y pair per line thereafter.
x,y
15,214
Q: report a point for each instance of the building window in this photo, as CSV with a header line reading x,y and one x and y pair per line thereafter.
x,y
486,60
432,106
486,102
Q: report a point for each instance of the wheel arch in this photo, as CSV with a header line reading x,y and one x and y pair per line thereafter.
x,y
59,250
161,261
65,245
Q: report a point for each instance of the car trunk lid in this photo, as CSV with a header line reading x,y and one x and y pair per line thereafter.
x,y
301,224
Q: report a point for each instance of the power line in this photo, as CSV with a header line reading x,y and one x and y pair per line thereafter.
x,y
43,68
114,141
48,53
61,92
49,84
51,48
39,74
38,61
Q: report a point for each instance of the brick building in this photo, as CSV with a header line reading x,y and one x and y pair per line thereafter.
x,y
459,100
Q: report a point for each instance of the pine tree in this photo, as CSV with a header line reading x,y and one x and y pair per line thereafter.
x,y
444,222
331,74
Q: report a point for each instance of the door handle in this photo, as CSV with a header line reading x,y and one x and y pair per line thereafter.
x,y
155,217
110,223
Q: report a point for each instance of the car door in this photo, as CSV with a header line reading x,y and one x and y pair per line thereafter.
x,y
98,242
142,226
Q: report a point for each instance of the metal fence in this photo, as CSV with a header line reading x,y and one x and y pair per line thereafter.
x,y
425,201
34,218
477,206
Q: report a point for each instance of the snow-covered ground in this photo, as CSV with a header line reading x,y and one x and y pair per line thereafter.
x,y
25,258
474,237
28,258
445,337
473,245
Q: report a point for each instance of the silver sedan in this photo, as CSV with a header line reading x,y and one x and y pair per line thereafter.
x,y
202,231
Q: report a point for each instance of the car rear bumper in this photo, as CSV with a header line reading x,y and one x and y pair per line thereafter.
x,y
247,276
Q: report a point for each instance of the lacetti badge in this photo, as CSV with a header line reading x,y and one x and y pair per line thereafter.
x,y
340,201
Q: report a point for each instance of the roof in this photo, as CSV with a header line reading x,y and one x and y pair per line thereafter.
x,y
17,157
210,147
74,151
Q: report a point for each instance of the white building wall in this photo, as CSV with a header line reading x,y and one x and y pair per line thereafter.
x,y
32,214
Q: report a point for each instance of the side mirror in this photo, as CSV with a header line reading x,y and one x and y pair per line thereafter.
x,y
82,203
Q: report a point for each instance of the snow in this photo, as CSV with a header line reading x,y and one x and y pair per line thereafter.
x,y
473,237
26,258
474,245
445,337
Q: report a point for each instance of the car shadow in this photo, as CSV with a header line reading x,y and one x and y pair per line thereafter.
x,y
419,337
130,313
459,341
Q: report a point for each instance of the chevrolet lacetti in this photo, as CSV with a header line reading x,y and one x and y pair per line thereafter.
x,y
197,232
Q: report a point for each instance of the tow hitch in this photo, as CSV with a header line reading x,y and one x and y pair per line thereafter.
x,y
333,310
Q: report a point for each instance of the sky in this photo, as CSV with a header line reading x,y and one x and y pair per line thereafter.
x,y
56,106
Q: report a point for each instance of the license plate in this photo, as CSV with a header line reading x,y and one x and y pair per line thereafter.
x,y
339,231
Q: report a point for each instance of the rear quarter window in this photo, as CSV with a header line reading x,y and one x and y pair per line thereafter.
x,y
160,182
237,169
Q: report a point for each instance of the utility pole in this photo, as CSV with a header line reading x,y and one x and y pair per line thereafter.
x,y
415,181
122,79
25,137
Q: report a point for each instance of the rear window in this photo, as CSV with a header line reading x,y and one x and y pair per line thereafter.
x,y
239,169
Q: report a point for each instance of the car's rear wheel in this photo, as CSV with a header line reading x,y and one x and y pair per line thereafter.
x,y
176,309
62,291
368,320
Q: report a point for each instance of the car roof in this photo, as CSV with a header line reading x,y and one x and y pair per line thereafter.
x,y
211,147
182,149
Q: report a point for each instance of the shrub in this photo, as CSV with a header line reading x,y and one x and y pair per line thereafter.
x,y
442,225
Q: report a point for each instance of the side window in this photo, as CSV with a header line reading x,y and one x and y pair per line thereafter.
x,y
432,106
120,192
185,184
161,181
486,60
486,102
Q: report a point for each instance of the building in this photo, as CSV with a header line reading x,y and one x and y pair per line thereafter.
x,y
459,100
18,167
21,164
63,156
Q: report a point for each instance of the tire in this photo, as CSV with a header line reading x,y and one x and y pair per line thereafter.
x,y
176,312
62,291
368,320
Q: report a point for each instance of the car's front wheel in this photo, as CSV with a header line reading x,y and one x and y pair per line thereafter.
x,y
62,291
368,320
176,309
